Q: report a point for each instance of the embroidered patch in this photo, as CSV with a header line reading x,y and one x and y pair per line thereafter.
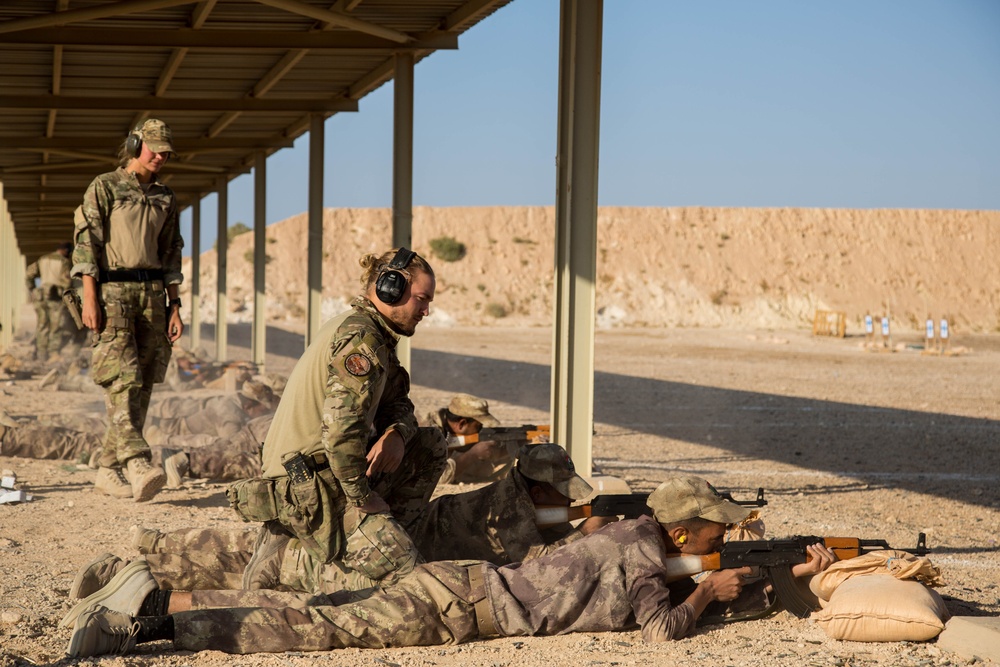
x,y
358,364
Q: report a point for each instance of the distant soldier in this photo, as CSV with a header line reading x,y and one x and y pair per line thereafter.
x,y
128,254
479,462
218,416
53,329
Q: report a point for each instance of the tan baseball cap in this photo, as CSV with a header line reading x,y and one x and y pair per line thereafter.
x,y
471,407
686,497
156,135
550,463
260,392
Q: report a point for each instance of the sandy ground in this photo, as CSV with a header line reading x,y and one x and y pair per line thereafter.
x,y
846,442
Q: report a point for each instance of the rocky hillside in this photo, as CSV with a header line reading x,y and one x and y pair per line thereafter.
x,y
679,267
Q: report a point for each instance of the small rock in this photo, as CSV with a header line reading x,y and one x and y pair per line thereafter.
x,y
10,617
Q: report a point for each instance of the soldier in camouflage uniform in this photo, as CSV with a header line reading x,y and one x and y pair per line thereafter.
x,y
211,457
485,461
615,579
39,440
53,328
220,417
128,254
344,464
495,523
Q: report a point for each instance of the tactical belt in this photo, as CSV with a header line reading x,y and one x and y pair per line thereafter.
x,y
484,614
319,462
130,275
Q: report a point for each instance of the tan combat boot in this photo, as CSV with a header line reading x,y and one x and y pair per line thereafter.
x,y
176,464
111,482
146,480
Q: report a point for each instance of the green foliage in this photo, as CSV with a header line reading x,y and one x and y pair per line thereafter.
x,y
447,249
248,256
496,310
232,233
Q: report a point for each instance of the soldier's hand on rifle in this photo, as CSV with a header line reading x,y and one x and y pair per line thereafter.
x,y
595,523
725,585
820,558
386,454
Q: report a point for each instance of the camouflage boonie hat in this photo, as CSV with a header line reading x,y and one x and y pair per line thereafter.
x,y
686,497
156,135
260,392
470,407
550,463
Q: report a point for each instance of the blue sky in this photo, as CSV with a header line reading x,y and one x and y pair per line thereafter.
x,y
848,104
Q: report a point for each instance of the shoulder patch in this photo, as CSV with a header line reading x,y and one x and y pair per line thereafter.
x,y
358,364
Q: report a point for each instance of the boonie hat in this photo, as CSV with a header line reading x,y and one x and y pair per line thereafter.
x,y
686,497
471,407
258,391
550,463
156,135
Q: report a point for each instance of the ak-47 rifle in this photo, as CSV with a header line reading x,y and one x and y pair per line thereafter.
x,y
516,434
775,558
628,505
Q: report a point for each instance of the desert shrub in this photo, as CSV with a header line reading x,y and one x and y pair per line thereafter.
x,y
248,256
521,239
232,233
497,310
718,296
447,249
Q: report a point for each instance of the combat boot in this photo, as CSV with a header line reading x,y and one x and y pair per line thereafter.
x,y
102,631
146,480
95,575
176,464
111,482
264,568
144,540
126,592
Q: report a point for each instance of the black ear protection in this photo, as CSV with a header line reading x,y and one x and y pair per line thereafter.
x,y
133,144
391,282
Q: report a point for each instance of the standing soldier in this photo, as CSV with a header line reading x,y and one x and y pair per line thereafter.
x,y
128,253
52,270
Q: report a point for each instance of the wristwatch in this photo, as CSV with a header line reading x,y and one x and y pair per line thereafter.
x,y
174,302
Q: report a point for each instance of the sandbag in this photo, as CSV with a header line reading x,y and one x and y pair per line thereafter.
x,y
882,608
899,564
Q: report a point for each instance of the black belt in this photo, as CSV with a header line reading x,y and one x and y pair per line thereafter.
x,y
319,462
130,275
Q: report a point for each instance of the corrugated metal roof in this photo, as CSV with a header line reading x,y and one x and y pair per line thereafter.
x,y
230,77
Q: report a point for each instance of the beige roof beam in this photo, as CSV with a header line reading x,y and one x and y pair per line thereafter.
x,y
51,168
338,19
46,102
225,39
182,144
88,14
458,19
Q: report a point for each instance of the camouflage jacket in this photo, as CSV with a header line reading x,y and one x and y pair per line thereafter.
x,y
347,389
122,226
495,523
613,579
51,270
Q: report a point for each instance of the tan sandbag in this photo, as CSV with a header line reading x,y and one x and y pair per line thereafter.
x,y
900,564
882,608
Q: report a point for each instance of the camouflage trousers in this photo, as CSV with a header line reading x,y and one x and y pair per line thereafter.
x,y
375,548
434,605
52,331
36,441
129,356
200,558
212,457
